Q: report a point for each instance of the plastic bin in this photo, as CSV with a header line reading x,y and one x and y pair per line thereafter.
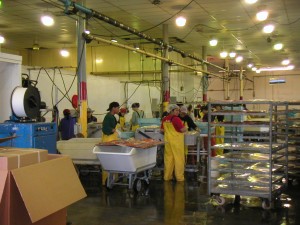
x,y
191,138
126,159
149,121
126,134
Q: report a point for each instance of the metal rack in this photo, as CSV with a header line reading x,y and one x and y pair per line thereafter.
x,y
252,165
294,141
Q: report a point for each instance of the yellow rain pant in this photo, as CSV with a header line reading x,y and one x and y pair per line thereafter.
x,y
186,148
220,131
174,202
134,127
107,138
174,153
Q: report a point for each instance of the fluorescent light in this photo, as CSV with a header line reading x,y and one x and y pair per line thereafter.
x,y
213,42
250,1
290,67
223,54
285,62
113,40
47,20
2,39
239,59
257,71
268,28
262,15
87,31
64,53
254,68
232,54
278,46
180,21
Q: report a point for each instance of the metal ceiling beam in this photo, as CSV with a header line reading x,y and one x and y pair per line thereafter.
x,y
90,37
89,12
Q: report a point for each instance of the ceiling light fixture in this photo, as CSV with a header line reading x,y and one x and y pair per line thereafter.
x,y
64,52
87,31
98,61
250,1
278,46
285,62
239,59
269,28
254,69
250,65
47,19
2,39
257,71
180,21
136,46
290,67
213,42
223,54
35,47
262,14
113,40
232,54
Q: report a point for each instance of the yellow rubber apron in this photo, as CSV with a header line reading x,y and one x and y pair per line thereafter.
x,y
174,153
107,138
135,127
220,131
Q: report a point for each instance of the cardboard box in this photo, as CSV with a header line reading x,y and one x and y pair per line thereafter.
x,y
38,194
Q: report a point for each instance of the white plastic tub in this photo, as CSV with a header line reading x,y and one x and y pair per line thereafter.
x,y
126,159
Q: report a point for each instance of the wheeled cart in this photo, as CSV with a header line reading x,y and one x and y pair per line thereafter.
x,y
133,164
249,168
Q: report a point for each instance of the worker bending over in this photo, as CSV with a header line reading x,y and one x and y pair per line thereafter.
x,y
174,159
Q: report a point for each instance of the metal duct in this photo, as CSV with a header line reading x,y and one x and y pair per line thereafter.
x,y
100,16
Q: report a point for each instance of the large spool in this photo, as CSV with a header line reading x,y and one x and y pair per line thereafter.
x,y
26,102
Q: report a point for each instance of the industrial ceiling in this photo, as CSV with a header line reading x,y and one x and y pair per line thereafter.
x,y
232,22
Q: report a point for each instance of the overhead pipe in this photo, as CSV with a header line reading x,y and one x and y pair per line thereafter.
x,y
90,37
100,16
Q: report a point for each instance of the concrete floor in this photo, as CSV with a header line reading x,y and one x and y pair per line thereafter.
x,y
176,203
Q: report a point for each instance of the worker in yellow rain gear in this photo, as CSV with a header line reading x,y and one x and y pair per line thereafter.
x,y
136,115
174,159
109,132
220,130
122,120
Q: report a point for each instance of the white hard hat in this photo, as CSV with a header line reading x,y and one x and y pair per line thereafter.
x,y
183,109
172,107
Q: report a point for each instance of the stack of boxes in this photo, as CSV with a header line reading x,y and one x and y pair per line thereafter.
x,y
36,187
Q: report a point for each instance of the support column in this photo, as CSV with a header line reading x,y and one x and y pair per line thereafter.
x,y
165,71
81,63
205,76
227,97
241,84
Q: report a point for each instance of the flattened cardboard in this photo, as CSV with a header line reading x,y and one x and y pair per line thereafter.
x,y
56,185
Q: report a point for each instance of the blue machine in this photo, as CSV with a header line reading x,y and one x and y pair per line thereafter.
x,y
30,135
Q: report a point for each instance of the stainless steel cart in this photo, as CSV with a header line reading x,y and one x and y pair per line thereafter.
x,y
250,168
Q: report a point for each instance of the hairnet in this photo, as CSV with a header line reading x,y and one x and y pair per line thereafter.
x,y
172,107
183,109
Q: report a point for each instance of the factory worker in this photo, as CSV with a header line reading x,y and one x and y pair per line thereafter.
x,y
121,120
90,117
188,123
110,123
174,159
109,132
190,112
66,126
220,130
136,115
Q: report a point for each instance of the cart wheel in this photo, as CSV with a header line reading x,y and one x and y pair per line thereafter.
x,y
266,204
219,200
137,185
